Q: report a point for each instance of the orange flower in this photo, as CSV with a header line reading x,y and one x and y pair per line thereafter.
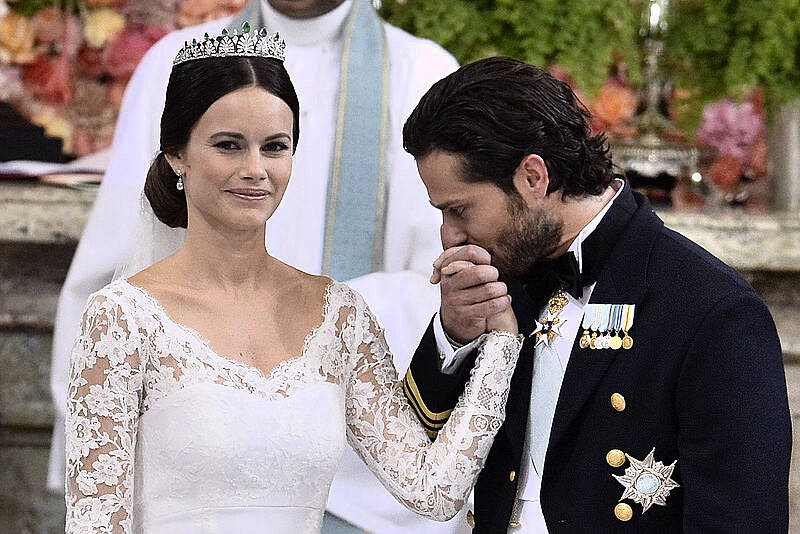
x,y
615,105
16,39
726,172
755,168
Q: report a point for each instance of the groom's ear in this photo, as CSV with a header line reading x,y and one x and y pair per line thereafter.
x,y
531,179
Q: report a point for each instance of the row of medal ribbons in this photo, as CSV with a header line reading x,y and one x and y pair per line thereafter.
x,y
606,326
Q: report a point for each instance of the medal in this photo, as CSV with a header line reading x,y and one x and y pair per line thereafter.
x,y
595,326
647,482
627,341
550,327
616,342
605,320
586,338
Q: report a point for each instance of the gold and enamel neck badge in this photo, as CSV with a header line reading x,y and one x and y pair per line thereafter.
x,y
549,328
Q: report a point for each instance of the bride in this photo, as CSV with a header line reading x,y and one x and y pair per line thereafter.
x,y
214,391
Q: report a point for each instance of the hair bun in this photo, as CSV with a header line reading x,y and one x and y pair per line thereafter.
x,y
168,204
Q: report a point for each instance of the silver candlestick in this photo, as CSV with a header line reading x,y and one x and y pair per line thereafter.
x,y
657,159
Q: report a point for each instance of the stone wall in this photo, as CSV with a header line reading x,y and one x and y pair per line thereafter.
x,y
38,230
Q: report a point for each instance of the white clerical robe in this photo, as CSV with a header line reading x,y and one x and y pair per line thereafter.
x,y
400,296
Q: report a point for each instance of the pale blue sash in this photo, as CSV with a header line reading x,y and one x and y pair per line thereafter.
x,y
356,205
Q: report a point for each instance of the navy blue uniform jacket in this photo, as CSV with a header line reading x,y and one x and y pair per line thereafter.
x,y
704,384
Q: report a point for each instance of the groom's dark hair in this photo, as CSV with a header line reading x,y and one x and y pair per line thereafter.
x,y
496,111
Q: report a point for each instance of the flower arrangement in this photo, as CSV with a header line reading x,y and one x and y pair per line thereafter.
x,y
731,62
60,58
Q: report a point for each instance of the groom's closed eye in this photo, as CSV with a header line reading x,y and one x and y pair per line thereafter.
x,y
452,209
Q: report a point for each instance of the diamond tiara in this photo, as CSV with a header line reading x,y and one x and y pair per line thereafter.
x,y
256,44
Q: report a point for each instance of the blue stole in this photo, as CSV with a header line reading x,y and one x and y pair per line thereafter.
x,y
356,205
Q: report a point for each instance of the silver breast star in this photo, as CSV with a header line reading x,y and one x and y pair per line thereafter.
x,y
647,482
547,330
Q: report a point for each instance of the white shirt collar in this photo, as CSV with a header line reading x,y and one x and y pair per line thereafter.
x,y
304,32
576,247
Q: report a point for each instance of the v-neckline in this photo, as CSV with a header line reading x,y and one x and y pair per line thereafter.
x,y
265,376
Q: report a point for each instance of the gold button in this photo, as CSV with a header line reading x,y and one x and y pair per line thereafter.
x,y
615,458
470,519
623,512
515,524
512,475
618,402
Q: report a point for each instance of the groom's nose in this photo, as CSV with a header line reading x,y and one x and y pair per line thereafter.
x,y
452,236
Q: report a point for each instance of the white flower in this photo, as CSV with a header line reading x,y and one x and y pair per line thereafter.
x,y
107,470
102,25
87,515
99,400
83,356
86,483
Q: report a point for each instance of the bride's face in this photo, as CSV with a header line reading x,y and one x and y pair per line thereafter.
x,y
238,160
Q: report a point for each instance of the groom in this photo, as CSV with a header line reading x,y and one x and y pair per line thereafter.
x,y
650,394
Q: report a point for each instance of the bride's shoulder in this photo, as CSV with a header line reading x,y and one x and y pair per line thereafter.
x,y
112,300
132,293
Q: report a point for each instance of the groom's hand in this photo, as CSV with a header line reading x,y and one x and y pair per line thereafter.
x,y
471,293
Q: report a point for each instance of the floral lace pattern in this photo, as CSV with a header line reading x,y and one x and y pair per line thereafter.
x,y
131,358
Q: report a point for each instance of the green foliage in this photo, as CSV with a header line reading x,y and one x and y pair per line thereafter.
x,y
729,48
715,48
30,7
584,37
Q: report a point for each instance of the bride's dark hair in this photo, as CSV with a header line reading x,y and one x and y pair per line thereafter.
x,y
193,87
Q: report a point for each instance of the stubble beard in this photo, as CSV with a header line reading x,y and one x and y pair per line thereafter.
x,y
530,236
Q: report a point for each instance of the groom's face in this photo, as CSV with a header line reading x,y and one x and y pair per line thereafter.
x,y
481,213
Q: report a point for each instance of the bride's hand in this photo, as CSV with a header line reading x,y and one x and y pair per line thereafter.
x,y
505,321
467,305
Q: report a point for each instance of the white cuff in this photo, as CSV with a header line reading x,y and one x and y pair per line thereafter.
x,y
451,352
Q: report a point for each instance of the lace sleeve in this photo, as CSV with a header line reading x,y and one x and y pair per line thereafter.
x,y
104,390
433,479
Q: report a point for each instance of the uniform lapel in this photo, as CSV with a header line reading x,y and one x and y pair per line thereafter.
x,y
520,393
621,280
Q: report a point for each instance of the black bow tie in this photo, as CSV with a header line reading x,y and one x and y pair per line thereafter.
x,y
549,276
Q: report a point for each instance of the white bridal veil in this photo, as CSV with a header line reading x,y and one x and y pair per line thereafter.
x,y
153,241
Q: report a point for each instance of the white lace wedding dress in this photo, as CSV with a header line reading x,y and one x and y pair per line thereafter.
x,y
166,436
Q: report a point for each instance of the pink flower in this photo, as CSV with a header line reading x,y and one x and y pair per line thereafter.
x,y
731,129
49,26
48,79
90,62
125,51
